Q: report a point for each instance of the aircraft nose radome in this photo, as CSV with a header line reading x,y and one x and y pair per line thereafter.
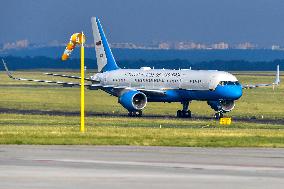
x,y
235,92
230,92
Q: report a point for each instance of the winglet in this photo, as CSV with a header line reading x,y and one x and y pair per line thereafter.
x,y
7,71
277,79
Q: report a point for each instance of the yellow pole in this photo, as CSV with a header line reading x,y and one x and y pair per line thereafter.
x,y
82,128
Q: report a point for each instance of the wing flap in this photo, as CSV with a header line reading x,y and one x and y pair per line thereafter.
x,y
153,92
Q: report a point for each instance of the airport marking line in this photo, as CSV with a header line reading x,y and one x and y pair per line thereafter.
x,y
188,165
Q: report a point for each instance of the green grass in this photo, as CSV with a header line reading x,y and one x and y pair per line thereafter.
x,y
142,136
254,102
45,129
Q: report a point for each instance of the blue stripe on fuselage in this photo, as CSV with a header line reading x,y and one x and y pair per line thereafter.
x,y
227,92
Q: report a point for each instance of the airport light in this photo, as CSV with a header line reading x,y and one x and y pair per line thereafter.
x,y
78,38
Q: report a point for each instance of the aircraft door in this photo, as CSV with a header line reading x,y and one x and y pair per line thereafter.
x,y
185,82
212,83
104,79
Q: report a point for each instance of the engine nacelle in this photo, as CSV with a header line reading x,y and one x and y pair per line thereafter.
x,y
133,100
222,106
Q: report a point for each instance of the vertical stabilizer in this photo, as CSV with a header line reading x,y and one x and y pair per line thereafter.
x,y
105,59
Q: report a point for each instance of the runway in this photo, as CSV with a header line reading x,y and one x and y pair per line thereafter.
x,y
139,167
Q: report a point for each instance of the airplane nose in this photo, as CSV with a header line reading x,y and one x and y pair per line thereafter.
x,y
230,92
235,92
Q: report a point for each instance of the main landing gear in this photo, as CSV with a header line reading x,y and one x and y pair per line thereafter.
x,y
135,113
185,112
219,115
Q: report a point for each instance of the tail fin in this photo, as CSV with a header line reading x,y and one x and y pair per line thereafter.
x,y
105,59
277,79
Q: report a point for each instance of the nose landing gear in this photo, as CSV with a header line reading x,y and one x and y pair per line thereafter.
x,y
219,115
185,112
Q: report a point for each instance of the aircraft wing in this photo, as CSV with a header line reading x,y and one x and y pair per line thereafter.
x,y
152,92
251,86
93,86
68,76
64,84
158,92
275,83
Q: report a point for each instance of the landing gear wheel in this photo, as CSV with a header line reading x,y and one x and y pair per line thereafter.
x,y
130,114
186,114
218,115
139,113
183,114
135,114
179,114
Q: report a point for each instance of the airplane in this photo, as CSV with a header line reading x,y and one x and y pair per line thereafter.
x,y
134,88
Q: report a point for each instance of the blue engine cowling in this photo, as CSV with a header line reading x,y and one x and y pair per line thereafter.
x,y
222,106
133,100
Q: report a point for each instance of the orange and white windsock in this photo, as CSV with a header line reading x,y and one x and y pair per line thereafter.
x,y
76,38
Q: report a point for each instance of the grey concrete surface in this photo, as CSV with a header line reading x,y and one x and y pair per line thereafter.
x,y
106,167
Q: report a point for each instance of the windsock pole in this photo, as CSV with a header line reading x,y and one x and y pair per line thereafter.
x,y
82,128
78,38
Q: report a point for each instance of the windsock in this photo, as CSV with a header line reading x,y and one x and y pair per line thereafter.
x,y
76,38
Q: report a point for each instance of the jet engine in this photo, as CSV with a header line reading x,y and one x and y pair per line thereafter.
x,y
222,106
133,100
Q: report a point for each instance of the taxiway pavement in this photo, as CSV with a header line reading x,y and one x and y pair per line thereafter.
x,y
104,167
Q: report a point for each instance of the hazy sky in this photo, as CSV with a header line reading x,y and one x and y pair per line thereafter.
x,y
40,21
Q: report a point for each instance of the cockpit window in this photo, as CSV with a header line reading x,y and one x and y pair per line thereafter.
x,y
222,83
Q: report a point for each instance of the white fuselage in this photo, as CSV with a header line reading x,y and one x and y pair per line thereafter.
x,y
162,79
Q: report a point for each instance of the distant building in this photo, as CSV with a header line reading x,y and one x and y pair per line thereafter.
x,y
189,45
123,45
16,45
200,46
246,45
164,45
275,47
180,45
220,45
55,43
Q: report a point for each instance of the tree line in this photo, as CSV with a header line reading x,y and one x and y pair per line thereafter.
x,y
41,62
